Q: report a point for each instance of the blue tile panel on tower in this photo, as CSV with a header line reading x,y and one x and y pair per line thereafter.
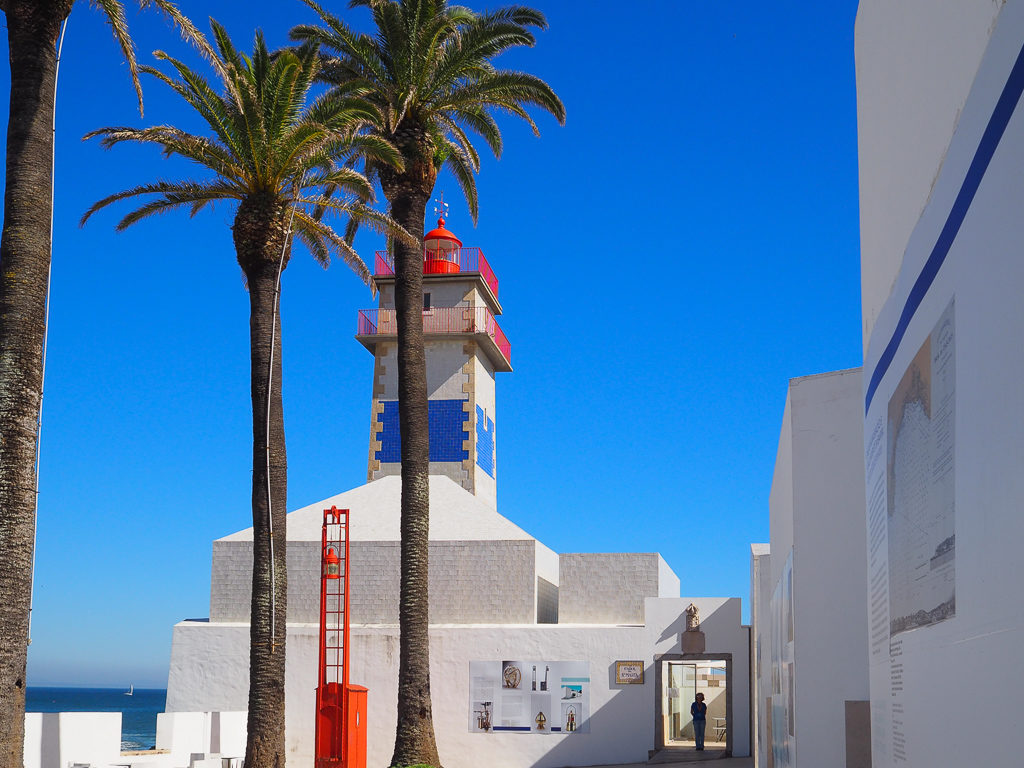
x,y
447,422
484,442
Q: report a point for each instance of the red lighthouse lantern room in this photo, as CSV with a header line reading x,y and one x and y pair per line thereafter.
x,y
441,251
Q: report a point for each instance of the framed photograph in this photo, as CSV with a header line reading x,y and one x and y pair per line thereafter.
x,y
629,672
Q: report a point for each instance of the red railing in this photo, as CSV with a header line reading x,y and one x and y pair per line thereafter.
x,y
464,259
439,320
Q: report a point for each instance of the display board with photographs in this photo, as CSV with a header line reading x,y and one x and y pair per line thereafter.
x,y
529,696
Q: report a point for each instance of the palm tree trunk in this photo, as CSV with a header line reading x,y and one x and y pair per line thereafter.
x,y
32,28
414,737
265,747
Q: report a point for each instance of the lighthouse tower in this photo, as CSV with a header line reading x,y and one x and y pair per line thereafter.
x,y
464,349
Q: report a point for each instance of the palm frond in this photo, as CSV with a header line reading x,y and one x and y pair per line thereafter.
x,y
429,67
505,88
461,167
327,241
173,194
189,32
270,148
174,142
114,12
198,93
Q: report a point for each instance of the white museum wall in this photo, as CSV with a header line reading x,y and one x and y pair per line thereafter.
x,y
917,673
760,649
721,622
829,562
209,665
816,511
780,500
916,60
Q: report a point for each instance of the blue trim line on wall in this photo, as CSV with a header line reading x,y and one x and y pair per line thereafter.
x,y
1001,115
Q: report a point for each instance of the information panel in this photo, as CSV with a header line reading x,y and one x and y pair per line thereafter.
x,y
910,471
529,696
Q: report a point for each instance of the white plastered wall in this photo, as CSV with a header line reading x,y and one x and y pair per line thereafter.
x,y
209,672
976,650
780,499
61,739
916,60
760,649
720,619
815,511
668,582
829,562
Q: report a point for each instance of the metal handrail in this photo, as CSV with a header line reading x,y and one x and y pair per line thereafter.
x,y
466,259
438,320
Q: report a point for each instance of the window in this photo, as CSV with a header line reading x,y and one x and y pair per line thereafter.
x,y
426,301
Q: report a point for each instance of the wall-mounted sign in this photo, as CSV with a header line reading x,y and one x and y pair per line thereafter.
x,y
529,696
629,672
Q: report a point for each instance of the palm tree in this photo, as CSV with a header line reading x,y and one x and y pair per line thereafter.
x,y
33,27
429,70
283,164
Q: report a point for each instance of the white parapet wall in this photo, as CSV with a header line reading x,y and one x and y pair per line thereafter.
x,y
183,734
183,740
34,740
64,739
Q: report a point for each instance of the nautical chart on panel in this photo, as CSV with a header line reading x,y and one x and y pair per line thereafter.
x,y
919,487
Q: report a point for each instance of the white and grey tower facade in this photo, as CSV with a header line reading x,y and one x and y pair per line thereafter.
x,y
465,347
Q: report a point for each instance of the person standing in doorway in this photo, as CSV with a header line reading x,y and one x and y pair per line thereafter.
x,y
699,713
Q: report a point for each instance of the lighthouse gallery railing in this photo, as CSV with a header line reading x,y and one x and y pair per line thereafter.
x,y
438,320
467,259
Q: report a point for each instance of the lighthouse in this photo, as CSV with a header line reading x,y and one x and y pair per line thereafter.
x,y
464,348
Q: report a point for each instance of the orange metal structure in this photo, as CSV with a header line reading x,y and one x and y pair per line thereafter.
x,y
340,707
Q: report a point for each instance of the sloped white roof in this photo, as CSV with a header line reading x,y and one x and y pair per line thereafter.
x,y
455,515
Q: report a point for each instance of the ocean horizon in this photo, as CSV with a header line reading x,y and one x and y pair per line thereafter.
x,y
138,711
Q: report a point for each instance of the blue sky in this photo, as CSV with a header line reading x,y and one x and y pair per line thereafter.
x,y
668,260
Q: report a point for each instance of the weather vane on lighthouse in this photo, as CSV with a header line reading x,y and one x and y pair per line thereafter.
x,y
441,208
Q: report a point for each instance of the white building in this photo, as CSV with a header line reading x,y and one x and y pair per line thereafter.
x,y
941,139
809,612
760,653
499,598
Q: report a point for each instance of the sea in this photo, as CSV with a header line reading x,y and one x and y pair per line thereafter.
x,y
138,711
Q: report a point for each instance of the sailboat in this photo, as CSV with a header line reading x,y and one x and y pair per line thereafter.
x,y
131,690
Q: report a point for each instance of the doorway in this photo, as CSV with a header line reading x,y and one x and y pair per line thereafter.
x,y
680,677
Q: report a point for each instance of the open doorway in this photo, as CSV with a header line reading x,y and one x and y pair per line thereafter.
x,y
681,677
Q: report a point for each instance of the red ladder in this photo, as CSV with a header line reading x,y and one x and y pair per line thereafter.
x,y
340,708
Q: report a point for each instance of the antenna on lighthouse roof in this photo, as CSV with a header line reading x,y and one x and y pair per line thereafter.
x,y
441,208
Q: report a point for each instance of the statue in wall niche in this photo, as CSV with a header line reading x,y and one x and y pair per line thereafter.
x,y
692,640
692,618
